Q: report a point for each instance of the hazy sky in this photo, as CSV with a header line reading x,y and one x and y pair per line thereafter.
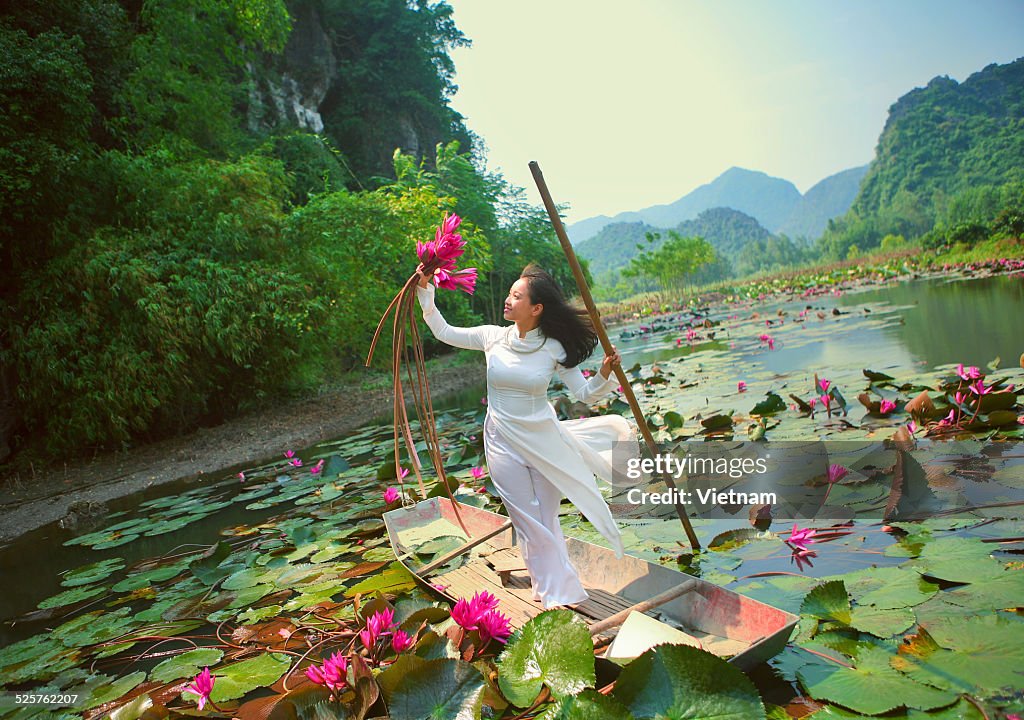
x,y
630,104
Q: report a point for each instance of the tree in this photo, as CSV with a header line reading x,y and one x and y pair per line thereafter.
x,y
672,263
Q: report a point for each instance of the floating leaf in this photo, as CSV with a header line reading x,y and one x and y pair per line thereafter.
x,y
553,649
588,705
70,597
677,681
959,559
395,579
828,602
881,622
872,687
415,688
185,665
966,655
237,679
93,572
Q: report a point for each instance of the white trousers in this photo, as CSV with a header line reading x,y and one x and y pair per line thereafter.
x,y
532,505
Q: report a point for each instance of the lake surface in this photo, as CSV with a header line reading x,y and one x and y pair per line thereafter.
x,y
905,330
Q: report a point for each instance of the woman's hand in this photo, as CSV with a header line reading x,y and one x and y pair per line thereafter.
x,y
610,362
424,279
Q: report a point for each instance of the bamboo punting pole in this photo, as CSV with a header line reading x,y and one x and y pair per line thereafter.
x,y
627,389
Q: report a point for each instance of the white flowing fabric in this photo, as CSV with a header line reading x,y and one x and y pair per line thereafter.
x,y
523,428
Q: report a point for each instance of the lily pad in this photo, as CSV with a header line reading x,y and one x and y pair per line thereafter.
x,y
553,649
439,689
588,705
185,665
70,597
235,680
828,602
872,687
959,559
88,574
966,655
677,681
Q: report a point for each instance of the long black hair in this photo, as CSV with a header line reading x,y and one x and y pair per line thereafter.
x,y
569,325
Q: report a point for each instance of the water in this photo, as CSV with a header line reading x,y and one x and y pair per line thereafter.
x,y
921,324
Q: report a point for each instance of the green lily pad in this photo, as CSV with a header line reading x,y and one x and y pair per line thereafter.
x,y
393,579
786,592
235,680
70,597
882,622
981,654
677,681
872,687
88,574
959,559
553,649
103,689
889,587
186,665
588,705
415,688
828,602
95,627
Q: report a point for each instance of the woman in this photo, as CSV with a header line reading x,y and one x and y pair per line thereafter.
x,y
533,458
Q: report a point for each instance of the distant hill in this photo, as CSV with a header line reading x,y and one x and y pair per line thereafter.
x,y
830,198
771,201
942,142
729,231
614,245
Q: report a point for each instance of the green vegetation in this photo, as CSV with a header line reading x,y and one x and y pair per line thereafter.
x,y
168,259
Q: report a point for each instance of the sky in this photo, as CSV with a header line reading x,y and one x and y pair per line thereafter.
x,y
630,104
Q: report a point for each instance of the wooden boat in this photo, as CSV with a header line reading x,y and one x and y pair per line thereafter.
x,y
742,630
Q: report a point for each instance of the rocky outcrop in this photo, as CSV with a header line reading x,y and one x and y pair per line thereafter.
x,y
287,89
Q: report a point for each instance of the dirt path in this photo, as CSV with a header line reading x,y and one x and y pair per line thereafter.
x,y
27,503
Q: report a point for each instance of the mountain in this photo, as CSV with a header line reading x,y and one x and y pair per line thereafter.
x,y
770,200
614,245
948,153
729,231
830,198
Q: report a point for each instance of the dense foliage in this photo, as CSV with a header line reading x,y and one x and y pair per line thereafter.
x,y
947,149
165,263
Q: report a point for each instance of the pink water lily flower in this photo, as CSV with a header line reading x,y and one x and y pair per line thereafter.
x,y
296,462
467,613
912,427
241,476
317,468
202,685
403,473
333,674
886,406
979,389
450,223
771,343
289,453
741,386
477,472
825,400
960,398
968,373
837,472
464,280
801,537
494,625
812,402
391,495
949,419
824,385
400,641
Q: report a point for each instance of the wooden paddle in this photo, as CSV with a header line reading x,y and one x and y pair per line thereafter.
x,y
660,599
627,389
